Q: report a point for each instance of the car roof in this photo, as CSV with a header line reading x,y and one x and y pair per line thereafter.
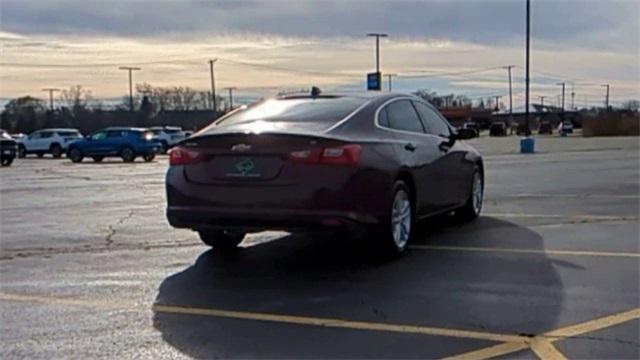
x,y
58,129
121,128
165,127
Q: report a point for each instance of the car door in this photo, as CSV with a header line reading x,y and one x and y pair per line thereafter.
x,y
419,152
41,141
115,141
32,141
453,170
96,143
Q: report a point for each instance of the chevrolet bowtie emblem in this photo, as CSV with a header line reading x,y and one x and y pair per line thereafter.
x,y
241,147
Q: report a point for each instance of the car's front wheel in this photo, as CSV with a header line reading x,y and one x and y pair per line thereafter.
x,y
395,235
56,151
473,206
127,155
221,240
75,155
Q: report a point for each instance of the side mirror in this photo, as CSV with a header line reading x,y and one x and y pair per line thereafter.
x,y
465,134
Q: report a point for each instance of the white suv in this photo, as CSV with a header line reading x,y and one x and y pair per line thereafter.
x,y
168,135
52,141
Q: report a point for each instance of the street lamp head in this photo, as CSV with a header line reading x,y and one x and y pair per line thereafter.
x,y
377,34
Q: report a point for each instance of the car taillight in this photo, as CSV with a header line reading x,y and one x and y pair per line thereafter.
x,y
183,156
339,155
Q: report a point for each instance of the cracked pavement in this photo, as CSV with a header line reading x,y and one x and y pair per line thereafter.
x,y
95,235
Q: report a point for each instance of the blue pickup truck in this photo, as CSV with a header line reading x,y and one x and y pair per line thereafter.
x,y
124,142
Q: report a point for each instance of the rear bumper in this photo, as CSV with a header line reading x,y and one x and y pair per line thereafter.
x,y
265,219
321,201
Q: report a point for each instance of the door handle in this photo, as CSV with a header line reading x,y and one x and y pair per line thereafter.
x,y
410,147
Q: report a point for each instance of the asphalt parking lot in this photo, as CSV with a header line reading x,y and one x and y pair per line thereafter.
x,y
90,268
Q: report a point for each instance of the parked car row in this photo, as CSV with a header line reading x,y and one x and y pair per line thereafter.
x,y
125,142
500,128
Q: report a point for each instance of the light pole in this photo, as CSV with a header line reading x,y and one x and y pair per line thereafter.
x,y
231,97
606,101
214,101
51,91
562,84
509,67
377,36
542,102
389,76
526,96
130,69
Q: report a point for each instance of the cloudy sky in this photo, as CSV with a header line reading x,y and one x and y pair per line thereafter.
x,y
266,46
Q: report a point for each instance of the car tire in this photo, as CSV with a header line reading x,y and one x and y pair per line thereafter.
x,y
22,151
97,158
75,155
40,155
6,162
149,157
394,236
221,240
473,206
127,155
56,151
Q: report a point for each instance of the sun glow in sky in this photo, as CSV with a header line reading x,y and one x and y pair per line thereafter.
x,y
268,46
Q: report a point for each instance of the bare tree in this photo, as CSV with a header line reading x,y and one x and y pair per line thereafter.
x,y
76,98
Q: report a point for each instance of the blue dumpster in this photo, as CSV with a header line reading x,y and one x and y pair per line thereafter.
x,y
527,145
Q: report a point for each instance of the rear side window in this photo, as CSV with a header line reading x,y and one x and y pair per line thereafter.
x,y
402,116
328,109
383,119
69,133
434,124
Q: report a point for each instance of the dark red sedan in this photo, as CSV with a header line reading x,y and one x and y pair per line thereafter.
x,y
375,161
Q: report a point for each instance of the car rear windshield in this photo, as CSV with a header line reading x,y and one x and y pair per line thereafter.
x,y
297,110
69,133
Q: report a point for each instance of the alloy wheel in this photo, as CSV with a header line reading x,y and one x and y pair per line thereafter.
x,y
477,192
401,218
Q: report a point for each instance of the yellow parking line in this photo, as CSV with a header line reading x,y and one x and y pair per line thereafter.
x,y
278,318
561,216
544,349
526,251
336,323
594,325
542,345
491,351
60,300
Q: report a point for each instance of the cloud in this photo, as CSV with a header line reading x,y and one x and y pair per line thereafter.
x,y
611,24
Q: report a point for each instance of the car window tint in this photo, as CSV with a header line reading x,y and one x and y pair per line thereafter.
x,y
383,119
34,136
434,124
320,109
402,116
46,134
99,135
69,133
